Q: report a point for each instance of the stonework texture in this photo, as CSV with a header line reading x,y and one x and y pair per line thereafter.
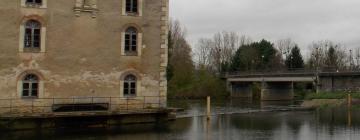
x,y
82,50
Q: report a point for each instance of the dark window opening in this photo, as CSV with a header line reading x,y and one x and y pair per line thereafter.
x,y
132,6
131,41
32,39
130,85
34,2
30,86
80,107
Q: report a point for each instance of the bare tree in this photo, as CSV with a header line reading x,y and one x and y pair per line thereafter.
x,y
357,58
216,53
328,55
244,40
284,46
180,65
203,51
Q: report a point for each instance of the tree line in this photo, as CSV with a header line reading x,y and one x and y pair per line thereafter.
x,y
185,78
193,72
229,52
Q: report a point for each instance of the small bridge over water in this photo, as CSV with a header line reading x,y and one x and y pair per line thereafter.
x,y
280,85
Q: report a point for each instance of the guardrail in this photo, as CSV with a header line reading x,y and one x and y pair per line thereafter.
x,y
254,73
287,72
114,104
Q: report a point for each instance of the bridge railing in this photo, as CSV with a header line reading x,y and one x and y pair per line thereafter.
x,y
267,72
288,72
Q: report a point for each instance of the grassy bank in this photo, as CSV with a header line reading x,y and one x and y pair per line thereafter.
x,y
331,95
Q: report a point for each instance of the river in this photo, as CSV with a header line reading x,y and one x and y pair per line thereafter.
x,y
229,121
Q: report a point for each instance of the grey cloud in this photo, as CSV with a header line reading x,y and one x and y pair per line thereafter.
x,y
304,21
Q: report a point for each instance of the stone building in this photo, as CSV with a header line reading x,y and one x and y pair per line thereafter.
x,y
66,52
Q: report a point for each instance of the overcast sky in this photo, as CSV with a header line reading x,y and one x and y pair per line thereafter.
x,y
304,21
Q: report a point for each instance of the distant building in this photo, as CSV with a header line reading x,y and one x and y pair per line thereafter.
x,y
59,53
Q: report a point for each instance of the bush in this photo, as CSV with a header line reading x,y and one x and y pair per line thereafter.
x,y
203,84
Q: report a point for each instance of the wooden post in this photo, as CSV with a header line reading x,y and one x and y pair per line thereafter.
x,y
349,101
208,111
349,110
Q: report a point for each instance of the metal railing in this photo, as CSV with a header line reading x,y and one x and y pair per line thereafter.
x,y
277,72
289,72
33,106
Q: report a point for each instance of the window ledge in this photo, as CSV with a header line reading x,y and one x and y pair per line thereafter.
x,y
35,6
132,14
31,50
131,54
29,97
130,96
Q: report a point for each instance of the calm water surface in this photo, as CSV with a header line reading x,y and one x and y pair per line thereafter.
x,y
225,124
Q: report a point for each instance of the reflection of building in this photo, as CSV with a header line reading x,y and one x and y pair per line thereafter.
x,y
84,52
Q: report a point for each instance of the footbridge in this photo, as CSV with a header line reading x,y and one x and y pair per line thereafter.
x,y
279,85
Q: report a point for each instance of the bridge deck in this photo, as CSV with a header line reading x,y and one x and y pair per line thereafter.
x,y
291,76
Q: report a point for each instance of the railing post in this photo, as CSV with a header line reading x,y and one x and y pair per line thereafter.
x,y
127,105
73,107
32,106
92,102
144,103
53,103
11,100
110,104
159,102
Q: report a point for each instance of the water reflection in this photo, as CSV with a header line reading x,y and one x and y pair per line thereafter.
x,y
323,124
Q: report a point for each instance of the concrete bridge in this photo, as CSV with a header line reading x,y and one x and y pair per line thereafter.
x,y
280,85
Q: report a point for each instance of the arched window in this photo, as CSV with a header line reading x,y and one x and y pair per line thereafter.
x,y
34,2
131,41
32,35
132,6
30,86
130,85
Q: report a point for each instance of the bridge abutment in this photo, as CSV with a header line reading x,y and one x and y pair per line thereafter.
x,y
274,91
241,90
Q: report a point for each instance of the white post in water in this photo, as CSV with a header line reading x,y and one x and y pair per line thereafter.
x,y
208,111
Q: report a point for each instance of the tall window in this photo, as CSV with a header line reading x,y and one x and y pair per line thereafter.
x,y
30,86
34,2
130,85
32,35
131,41
132,6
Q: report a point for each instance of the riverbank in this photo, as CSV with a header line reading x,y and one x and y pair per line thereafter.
x,y
331,95
316,103
330,99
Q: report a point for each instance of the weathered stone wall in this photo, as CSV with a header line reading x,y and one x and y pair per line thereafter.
x,y
83,53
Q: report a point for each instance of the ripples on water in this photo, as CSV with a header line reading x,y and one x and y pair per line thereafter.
x,y
327,124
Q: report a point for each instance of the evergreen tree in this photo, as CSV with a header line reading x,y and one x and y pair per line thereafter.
x,y
331,58
294,60
257,56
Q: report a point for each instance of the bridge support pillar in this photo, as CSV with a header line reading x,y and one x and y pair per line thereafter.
x,y
241,90
273,91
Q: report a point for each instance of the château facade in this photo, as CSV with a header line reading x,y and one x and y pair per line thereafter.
x,y
60,49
